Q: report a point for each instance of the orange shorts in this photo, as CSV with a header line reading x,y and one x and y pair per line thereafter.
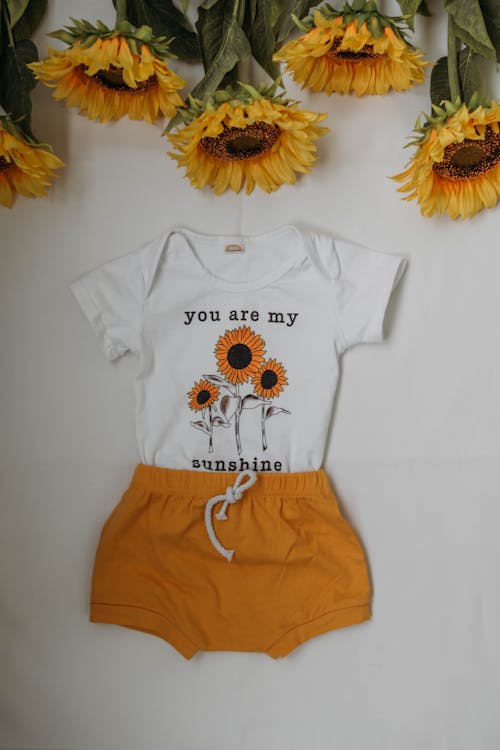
x,y
162,565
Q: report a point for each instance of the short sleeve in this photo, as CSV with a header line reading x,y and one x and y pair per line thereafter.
x,y
111,298
364,283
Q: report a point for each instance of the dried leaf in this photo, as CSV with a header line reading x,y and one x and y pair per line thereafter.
x,y
272,410
219,422
228,406
214,378
251,402
201,426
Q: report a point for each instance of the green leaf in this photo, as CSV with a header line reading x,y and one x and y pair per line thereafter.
x,y
470,26
491,14
285,23
250,13
261,37
63,36
175,121
470,77
30,20
440,85
165,20
16,9
415,6
224,45
276,7
132,45
411,7
209,27
17,81
470,74
144,33
375,27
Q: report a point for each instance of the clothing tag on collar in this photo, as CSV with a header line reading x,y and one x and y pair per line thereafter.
x,y
234,248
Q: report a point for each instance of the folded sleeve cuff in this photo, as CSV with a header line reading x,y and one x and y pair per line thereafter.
x,y
94,317
388,274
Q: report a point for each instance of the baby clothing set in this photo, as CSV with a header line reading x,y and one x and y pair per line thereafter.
x,y
229,536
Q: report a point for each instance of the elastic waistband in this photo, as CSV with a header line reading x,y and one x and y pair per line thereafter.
x,y
159,479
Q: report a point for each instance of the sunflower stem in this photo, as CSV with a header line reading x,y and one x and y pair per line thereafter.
x,y
239,16
239,12
121,11
210,421
453,74
6,16
263,427
237,420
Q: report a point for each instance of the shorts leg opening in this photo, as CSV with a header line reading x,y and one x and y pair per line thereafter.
x,y
145,620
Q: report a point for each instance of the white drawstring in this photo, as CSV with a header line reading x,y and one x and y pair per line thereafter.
x,y
232,495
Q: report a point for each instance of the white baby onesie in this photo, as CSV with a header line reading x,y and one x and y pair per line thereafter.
x,y
238,340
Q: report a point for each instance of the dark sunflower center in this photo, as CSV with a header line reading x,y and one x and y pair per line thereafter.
x,y
113,79
242,143
239,356
365,53
470,159
268,379
4,163
468,156
203,396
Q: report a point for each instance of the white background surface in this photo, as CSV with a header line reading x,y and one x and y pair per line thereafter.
x,y
414,457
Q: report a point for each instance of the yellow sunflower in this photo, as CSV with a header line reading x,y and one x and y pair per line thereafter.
x,y
270,380
239,353
116,74
246,138
202,395
456,167
25,166
342,55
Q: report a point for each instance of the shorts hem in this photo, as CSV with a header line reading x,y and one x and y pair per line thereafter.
x,y
145,620
340,618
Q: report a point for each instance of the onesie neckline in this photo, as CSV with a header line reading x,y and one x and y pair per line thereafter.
x,y
254,284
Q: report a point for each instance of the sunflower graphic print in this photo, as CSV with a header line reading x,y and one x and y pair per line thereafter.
x,y
239,354
245,380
